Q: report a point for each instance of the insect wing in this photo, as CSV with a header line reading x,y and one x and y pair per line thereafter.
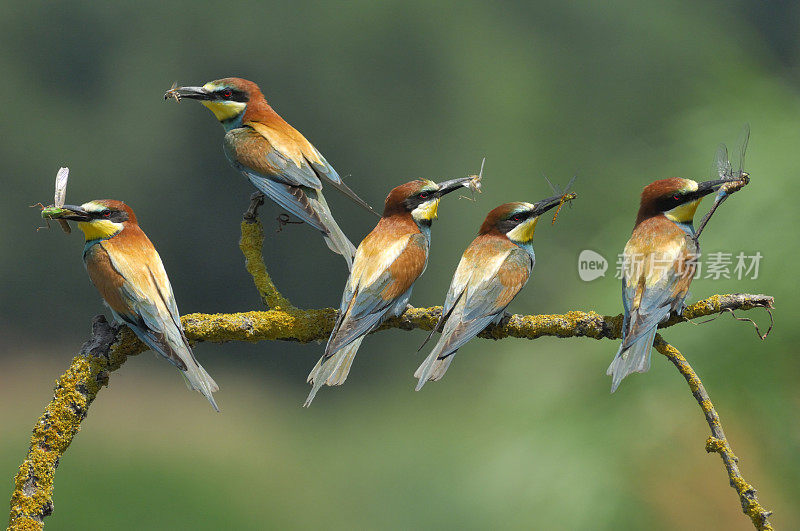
x,y
721,167
569,184
61,187
744,139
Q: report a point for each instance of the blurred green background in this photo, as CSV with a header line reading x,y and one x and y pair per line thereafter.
x,y
519,434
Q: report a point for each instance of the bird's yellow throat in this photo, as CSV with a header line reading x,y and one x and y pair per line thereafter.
x,y
99,229
225,110
523,232
427,211
683,213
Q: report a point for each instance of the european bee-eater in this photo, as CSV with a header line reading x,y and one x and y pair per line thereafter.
x,y
387,263
494,268
127,271
658,266
277,159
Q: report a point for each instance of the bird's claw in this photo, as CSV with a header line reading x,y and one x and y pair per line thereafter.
x,y
284,219
256,200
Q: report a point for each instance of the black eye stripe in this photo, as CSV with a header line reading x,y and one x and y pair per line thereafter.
x,y
235,95
417,199
514,220
117,216
675,199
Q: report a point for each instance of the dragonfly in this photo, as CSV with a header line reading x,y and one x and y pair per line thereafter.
x,y
59,198
722,168
566,195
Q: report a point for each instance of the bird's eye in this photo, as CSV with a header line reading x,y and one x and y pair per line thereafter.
x,y
676,197
106,213
516,217
424,195
227,93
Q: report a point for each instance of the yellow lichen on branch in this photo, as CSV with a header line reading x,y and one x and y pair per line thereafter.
x,y
109,347
251,244
76,389
718,443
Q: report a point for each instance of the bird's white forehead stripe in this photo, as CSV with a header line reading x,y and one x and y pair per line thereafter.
x,y
211,86
93,206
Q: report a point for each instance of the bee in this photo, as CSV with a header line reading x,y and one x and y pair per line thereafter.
x,y
172,93
58,201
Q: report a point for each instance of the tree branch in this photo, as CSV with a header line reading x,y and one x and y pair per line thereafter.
x,y
109,346
717,442
75,391
251,244
315,325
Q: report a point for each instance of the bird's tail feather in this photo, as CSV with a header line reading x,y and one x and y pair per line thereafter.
x,y
198,379
332,370
337,241
635,358
432,368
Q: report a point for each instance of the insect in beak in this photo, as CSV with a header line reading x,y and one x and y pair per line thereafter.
x,y
58,200
172,93
566,195
474,183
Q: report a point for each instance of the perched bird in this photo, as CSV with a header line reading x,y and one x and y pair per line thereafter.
x,y
387,262
658,266
494,268
277,159
127,271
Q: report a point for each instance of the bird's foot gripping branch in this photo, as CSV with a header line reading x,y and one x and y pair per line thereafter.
x,y
109,347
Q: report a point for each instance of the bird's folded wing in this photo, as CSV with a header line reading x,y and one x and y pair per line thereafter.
x,y
651,288
270,153
381,273
491,286
150,303
464,270
289,156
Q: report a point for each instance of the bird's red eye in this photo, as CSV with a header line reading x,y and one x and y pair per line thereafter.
x,y
227,94
107,214
516,217
424,195
676,197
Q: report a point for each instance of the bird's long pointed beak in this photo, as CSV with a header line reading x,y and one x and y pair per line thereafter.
x,y
445,187
708,187
194,93
67,212
546,204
